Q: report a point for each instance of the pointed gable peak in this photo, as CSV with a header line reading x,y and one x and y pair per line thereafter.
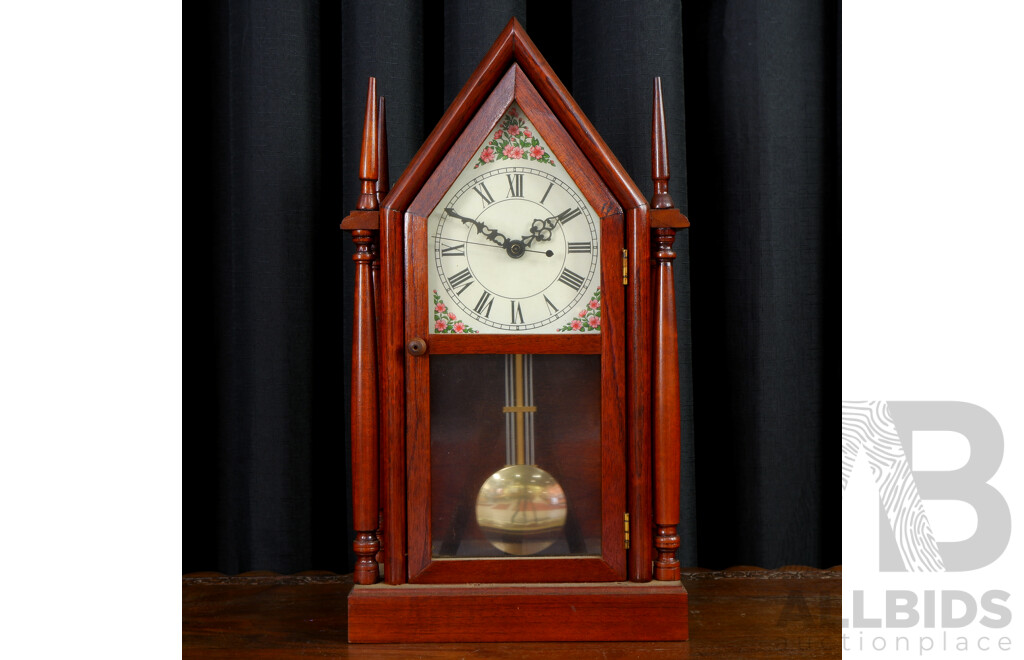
x,y
514,47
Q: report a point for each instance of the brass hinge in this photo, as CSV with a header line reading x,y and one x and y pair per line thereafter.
x,y
627,531
625,276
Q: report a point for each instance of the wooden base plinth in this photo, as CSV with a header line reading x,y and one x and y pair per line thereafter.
x,y
617,611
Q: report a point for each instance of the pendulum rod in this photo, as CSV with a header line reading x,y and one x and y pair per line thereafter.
x,y
519,409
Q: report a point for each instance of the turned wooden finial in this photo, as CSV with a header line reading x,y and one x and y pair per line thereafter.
x,y
383,182
368,161
664,213
665,219
366,471
659,153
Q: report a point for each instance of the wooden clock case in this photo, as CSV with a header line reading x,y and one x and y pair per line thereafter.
x,y
421,600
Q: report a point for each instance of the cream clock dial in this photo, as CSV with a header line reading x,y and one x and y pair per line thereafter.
x,y
516,249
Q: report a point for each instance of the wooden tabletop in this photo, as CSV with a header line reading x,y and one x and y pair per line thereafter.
x,y
744,612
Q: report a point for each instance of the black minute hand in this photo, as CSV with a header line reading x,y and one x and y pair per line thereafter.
x,y
493,235
546,253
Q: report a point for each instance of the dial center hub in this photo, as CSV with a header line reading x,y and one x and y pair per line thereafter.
x,y
515,249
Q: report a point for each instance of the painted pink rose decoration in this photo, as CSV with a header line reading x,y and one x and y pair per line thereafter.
x,y
447,322
587,319
514,139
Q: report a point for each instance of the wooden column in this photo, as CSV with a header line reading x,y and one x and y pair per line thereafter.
x,y
382,187
639,454
365,416
665,219
666,411
393,391
365,412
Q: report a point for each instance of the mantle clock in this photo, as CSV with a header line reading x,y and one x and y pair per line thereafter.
x,y
515,389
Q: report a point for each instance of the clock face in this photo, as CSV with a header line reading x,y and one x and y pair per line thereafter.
x,y
515,247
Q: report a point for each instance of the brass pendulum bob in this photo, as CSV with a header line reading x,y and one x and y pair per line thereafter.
x,y
521,508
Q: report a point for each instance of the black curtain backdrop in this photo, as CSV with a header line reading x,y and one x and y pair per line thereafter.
x,y
278,90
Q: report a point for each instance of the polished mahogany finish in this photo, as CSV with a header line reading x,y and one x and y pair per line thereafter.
x,y
663,212
666,412
638,401
393,391
382,188
792,612
610,343
392,349
365,419
666,361
369,154
365,415
510,613
659,153
564,344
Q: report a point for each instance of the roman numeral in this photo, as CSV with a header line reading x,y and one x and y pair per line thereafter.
x,y
515,185
457,250
483,306
546,193
571,279
462,278
550,304
517,310
484,193
579,248
567,215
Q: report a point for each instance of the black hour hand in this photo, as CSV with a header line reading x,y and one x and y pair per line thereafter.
x,y
493,235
